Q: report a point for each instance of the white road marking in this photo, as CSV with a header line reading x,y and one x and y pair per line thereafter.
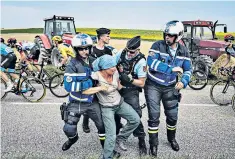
x,y
26,103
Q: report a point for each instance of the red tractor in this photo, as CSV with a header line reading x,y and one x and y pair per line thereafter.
x,y
56,26
200,39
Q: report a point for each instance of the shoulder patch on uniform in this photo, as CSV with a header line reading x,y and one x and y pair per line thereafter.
x,y
144,68
69,79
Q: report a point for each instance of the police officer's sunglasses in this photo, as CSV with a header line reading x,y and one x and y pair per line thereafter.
x,y
85,48
132,51
169,35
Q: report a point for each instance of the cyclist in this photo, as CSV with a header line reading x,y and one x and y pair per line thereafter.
x,y
8,61
29,52
230,47
65,49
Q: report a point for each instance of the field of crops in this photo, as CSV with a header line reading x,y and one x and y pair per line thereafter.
x,y
150,35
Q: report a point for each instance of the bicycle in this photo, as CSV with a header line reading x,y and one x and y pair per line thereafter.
x,y
198,80
43,74
32,85
225,87
56,86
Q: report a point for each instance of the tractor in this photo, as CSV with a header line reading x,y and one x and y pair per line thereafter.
x,y
56,26
201,41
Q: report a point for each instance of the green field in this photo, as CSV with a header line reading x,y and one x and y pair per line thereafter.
x,y
150,35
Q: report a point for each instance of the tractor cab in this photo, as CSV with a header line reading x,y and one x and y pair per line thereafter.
x,y
59,25
201,41
197,32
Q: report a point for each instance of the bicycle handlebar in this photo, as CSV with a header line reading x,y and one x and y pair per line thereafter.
x,y
226,71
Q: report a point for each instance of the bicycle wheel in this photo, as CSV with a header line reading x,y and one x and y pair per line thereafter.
x,y
35,89
56,86
3,87
222,92
233,102
198,80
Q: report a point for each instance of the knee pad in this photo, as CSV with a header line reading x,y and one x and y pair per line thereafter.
x,y
70,130
169,100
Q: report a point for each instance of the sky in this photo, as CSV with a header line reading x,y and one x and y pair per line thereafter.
x,y
113,14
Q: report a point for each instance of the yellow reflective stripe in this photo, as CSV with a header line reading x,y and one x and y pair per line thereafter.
x,y
80,99
102,138
152,131
171,128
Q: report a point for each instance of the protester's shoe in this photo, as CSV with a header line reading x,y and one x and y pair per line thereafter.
x,y
69,143
121,145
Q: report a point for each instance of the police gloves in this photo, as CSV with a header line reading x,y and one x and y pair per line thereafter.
x,y
125,79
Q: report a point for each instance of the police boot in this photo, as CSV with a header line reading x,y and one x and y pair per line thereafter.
x,y
153,141
142,146
69,143
171,139
116,154
85,124
102,143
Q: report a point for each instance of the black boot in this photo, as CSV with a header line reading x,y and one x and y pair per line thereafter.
x,y
85,124
116,154
142,146
102,143
153,151
171,139
69,143
153,141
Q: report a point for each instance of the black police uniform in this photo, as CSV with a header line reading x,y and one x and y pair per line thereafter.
x,y
130,92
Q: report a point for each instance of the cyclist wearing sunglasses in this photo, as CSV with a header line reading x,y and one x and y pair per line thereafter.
x,y
77,78
131,65
166,59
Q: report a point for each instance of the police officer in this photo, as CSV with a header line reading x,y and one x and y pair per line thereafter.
x,y
166,59
103,35
76,80
131,65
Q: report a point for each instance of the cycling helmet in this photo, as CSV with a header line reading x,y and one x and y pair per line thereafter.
x,y
12,41
81,41
2,40
228,37
19,47
174,27
57,38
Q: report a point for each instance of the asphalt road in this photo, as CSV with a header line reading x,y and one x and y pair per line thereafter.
x,y
35,130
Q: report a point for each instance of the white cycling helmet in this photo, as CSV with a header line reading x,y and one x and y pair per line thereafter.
x,y
174,27
81,41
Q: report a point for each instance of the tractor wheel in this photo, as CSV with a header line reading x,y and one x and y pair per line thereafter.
x,y
203,63
55,56
39,42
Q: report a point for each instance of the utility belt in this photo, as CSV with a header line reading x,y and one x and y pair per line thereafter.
x,y
175,92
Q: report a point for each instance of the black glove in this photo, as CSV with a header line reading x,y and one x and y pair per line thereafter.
x,y
63,67
125,79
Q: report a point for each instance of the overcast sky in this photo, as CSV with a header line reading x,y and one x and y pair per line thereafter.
x,y
123,14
